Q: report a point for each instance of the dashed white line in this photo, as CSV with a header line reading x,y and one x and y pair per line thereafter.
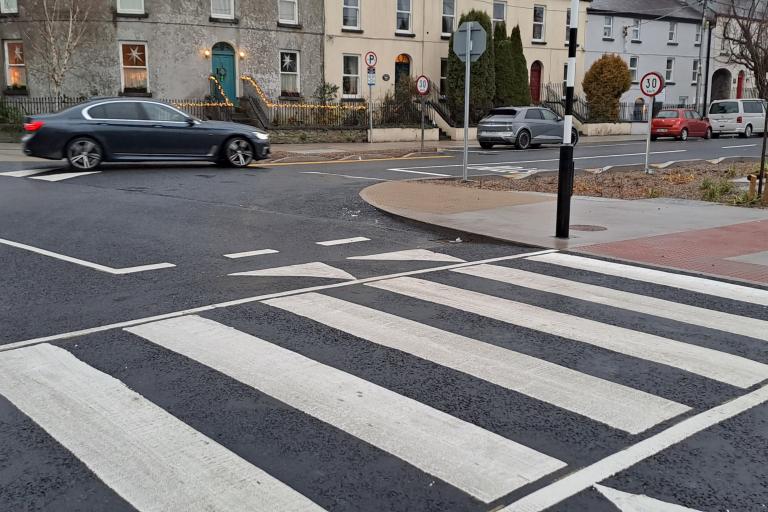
x,y
423,173
25,173
83,263
343,241
740,146
63,176
248,254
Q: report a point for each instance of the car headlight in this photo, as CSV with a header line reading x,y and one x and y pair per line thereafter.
x,y
261,135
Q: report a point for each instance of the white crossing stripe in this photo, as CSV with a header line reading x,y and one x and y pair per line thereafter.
x,y
711,319
595,398
648,275
248,254
409,255
627,502
63,176
25,173
422,172
343,241
479,462
720,366
146,455
314,269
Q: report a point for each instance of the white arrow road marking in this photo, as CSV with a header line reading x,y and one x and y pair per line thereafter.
x,y
740,146
409,255
63,176
83,263
314,269
638,503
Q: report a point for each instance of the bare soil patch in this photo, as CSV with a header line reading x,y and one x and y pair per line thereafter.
x,y
698,181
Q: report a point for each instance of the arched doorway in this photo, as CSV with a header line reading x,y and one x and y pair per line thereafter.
x,y
721,85
740,85
536,69
223,68
402,67
639,110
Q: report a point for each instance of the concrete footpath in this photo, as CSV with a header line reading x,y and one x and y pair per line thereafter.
x,y
694,236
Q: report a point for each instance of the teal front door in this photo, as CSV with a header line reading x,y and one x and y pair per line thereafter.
x,y
223,68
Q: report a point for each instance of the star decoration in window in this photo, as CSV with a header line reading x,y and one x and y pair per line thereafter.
x,y
134,55
288,63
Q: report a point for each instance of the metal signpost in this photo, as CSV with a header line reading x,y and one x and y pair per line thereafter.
x,y
761,176
371,60
468,45
565,169
651,86
422,85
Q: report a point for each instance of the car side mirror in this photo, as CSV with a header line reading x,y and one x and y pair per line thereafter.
x,y
191,121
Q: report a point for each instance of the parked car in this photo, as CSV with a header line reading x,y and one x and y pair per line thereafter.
x,y
743,117
133,130
524,127
680,123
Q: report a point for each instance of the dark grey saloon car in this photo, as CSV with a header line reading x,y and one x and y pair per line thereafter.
x,y
524,127
134,130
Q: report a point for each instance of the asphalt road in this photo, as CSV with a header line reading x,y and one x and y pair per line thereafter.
x,y
196,338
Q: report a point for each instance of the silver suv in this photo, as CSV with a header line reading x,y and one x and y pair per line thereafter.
x,y
524,127
744,117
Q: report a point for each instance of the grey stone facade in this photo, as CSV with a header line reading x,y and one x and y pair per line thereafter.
x,y
179,36
653,47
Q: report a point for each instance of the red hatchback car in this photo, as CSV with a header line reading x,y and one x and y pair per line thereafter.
x,y
680,123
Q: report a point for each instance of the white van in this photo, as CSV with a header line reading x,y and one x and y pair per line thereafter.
x,y
744,117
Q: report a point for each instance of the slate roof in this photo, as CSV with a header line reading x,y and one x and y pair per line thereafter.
x,y
668,9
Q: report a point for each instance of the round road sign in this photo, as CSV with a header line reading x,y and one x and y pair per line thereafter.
x,y
422,85
371,59
652,84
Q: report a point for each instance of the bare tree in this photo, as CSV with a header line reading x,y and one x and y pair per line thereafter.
x,y
56,35
746,36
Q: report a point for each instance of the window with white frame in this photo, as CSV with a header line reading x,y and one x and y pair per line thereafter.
x,y
130,6
539,18
697,37
635,30
608,27
568,25
350,76
670,70
443,77
695,71
725,36
223,9
9,6
634,61
351,14
133,61
288,11
499,12
449,15
403,16
672,35
289,73
15,65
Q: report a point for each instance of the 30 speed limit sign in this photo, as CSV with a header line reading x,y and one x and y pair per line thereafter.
x,y
652,84
422,85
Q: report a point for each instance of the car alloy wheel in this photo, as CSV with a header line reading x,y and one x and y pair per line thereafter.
x,y
84,154
574,137
708,135
684,135
239,152
748,131
523,140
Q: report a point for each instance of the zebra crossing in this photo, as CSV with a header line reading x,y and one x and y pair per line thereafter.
x,y
443,391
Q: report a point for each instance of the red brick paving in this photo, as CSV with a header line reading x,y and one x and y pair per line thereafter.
x,y
698,251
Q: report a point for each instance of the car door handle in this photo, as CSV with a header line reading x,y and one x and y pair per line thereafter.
x,y
158,126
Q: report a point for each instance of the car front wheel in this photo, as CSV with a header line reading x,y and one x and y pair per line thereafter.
x,y
238,152
684,135
84,154
523,140
574,137
708,135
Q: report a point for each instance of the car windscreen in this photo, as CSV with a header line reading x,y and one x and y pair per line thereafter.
x,y
726,107
667,114
509,112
